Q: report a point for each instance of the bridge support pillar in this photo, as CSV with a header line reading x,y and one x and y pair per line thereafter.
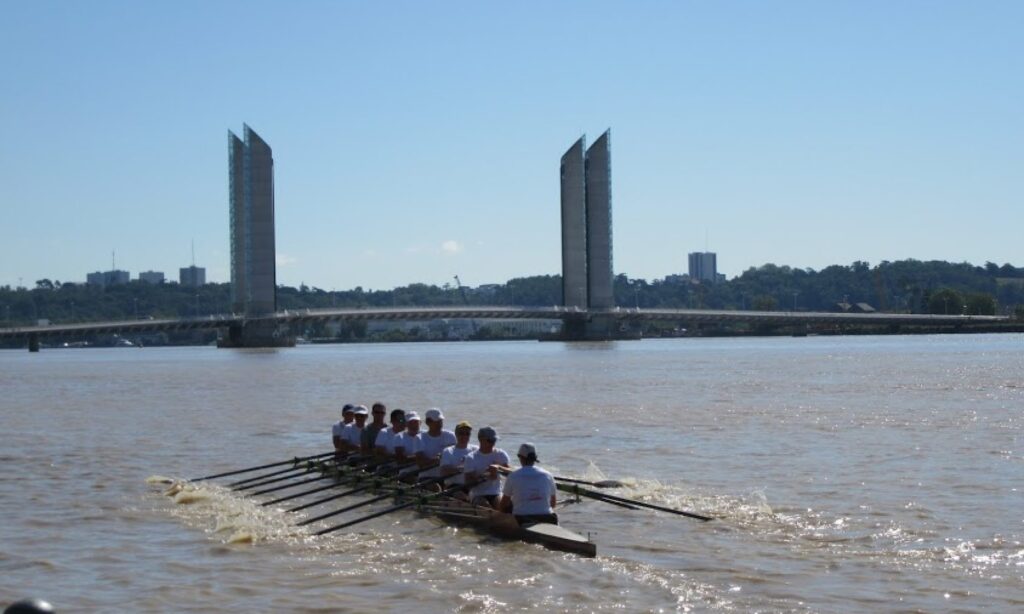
x,y
33,342
256,335
597,327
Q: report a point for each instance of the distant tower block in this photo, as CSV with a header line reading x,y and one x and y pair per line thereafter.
x,y
253,266
574,227
599,224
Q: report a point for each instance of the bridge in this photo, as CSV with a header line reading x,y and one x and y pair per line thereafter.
x,y
284,322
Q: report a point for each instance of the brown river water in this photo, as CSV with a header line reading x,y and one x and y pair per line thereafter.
x,y
845,474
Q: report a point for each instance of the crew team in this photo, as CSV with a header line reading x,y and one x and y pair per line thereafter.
x,y
437,454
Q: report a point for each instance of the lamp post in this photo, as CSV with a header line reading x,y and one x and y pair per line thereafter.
x,y
795,293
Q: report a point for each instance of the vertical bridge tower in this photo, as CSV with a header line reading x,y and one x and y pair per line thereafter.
x,y
253,255
587,277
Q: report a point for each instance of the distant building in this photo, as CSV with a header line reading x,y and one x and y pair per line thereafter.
x,y
703,267
192,276
152,277
107,278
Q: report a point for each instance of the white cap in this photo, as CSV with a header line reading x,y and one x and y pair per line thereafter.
x,y
527,449
361,410
411,415
434,414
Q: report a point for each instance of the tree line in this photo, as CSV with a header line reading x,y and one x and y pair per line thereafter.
x,y
907,286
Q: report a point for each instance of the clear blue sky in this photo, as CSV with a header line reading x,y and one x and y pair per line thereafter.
x,y
418,140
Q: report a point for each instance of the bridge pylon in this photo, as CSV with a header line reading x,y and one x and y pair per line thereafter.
x,y
256,334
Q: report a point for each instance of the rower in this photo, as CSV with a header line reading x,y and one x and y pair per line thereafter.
x,y
483,465
529,492
454,457
353,434
433,442
407,443
368,438
384,445
338,429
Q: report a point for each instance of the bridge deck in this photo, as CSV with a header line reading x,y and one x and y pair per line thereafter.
x,y
696,316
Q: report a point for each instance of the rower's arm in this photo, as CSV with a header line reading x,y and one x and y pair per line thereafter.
x,y
337,443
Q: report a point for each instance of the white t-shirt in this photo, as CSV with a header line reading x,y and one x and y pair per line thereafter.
x,y
478,462
352,434
454,456
411,443
386,439
530,489
338,429
431,448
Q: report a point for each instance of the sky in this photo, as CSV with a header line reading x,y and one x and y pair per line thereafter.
x,y
416,141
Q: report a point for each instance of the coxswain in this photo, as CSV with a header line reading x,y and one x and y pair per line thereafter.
x,y
453,458
368,438
432,443
384,445
529,493
483,465
338,429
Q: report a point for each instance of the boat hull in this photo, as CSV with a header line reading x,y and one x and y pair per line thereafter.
x,y
551,536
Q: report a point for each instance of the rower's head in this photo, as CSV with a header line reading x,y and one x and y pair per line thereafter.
x,y
487,437
347,414
378,411
398,420
527,454
435,421
361,413
463,431
412,422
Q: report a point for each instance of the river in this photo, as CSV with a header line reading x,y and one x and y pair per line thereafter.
x,y
845,474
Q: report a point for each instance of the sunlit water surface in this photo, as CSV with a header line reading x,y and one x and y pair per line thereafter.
x,y
845,474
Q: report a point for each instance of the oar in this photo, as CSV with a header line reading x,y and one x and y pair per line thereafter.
x,y
601,484
343,510
329,486
261,477
622,500
310,468
346,493
282,463
423,498
292,485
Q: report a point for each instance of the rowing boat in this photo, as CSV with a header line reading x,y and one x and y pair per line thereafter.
x,y
452,510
